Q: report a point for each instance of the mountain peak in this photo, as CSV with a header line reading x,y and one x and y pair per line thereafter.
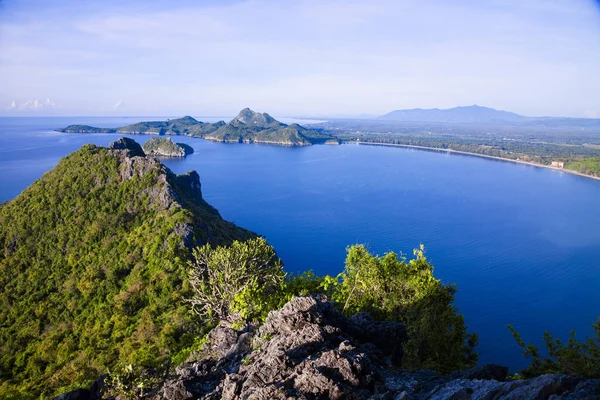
x,y
249,117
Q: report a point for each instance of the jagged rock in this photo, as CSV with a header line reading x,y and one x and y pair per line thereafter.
x,y
301,351
77,394
133,148
484,372
308,350
94,392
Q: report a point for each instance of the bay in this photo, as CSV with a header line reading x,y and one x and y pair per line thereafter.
x,y
521,243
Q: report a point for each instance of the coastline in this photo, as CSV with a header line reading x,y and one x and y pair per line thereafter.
x,y
451,151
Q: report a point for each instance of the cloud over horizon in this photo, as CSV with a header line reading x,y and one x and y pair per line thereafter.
x,y
303,57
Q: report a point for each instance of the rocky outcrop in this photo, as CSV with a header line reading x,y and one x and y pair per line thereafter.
x,y
304,350
133,149
308,350
165,147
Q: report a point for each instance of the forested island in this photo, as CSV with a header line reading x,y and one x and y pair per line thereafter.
x,y
120,281
247,127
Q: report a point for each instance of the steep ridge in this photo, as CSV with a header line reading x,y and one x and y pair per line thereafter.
x,y
92,267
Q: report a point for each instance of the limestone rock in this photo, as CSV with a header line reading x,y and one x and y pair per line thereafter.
x,y
131,146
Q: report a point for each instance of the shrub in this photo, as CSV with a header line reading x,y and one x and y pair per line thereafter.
x,y
571,358
246,277
389,288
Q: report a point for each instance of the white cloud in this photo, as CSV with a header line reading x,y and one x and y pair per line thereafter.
x,y
310,56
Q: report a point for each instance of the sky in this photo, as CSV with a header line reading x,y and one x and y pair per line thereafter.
x,y
313,58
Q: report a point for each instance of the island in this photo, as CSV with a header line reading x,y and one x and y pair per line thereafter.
x,y
85,129
165,147
247,127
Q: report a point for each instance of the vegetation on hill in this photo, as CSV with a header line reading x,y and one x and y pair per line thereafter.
x,y
247,279
93,269
86,129
187,126
253,127
165,147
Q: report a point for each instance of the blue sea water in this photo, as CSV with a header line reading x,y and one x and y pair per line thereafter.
x,y
522,243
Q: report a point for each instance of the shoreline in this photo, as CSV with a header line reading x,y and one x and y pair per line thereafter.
x,y
409,146
451,151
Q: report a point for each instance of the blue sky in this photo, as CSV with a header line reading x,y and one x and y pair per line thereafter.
x,y
294,58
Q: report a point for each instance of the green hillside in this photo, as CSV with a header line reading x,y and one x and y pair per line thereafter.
x,y
187,126
253,127
86,129
92,268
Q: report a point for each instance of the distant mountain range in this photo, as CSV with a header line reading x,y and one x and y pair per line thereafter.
x,y
247,127
478,114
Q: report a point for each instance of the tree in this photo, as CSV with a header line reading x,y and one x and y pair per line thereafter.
x,y
389,288
571,358
246,277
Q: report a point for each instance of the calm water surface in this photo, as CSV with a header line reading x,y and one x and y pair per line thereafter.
x,y
522,243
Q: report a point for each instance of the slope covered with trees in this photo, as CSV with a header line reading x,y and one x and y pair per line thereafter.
x,y
92,268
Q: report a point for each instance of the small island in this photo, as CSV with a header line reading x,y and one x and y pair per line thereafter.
x,y
85,129
165,147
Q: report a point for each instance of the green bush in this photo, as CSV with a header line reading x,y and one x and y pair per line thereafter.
x,y
246,278
571,358
391,289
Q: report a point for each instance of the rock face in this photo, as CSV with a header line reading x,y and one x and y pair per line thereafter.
x,y
305,350
133,148
308,350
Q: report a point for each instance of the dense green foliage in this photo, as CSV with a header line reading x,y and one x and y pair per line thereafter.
x,y
93,270
86,129
162,146
246,277
571,358
187,126
589,166
387,287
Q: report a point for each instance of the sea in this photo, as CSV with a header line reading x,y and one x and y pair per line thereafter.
x,y
521,243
